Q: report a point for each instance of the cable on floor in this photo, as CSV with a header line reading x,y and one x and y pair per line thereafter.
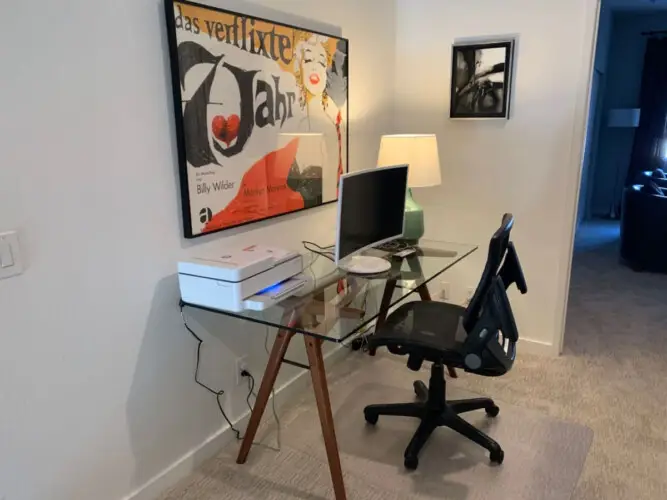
x,y
251,387
360,335
218,394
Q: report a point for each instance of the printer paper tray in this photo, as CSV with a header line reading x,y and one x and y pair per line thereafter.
x,y
274,294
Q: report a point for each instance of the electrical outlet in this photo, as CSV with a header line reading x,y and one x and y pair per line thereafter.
x,y
445,290
241,364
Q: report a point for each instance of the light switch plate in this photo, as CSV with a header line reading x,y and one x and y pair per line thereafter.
x,y
11,263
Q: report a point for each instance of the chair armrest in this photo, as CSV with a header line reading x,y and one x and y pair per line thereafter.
x,y
482,349
512,272
477,340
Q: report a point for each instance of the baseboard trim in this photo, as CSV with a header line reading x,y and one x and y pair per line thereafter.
x,y
185,465
536,347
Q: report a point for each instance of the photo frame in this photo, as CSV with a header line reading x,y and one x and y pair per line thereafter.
x,y
261,111
482,76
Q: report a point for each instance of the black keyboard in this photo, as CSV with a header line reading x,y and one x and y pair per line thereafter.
x,y
394,246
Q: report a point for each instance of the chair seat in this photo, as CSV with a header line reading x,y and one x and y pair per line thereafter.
x,y
480,338
429,329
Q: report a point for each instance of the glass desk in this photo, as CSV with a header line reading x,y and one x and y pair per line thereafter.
x,y
333,306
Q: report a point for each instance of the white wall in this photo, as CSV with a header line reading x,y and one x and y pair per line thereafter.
x,y
529,165
596,111
96,390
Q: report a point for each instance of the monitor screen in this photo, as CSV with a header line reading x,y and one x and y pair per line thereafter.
x,y
370,208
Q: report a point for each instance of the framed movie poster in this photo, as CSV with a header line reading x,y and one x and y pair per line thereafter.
x,y
261,116
481,80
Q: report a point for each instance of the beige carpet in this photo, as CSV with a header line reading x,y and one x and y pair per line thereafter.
x,y
611,379
289,474
544,456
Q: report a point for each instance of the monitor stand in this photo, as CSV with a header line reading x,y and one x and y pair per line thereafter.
x,y
365,264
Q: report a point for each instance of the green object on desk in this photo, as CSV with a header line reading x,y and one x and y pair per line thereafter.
x,y
420,153
413,229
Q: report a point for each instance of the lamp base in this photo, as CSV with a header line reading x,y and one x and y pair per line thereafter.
x,y
413,220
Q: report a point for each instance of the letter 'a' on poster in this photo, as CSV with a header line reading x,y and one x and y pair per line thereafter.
x,y
261,116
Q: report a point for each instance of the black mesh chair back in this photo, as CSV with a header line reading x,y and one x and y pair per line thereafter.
x,y
502,260
490,347
480,339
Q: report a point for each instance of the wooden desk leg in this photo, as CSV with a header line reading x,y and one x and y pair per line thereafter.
x,y
425,295
388,293
316,362
389,288
268,380
424,292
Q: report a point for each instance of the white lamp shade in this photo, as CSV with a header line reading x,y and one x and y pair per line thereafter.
x,y
624,118
419,152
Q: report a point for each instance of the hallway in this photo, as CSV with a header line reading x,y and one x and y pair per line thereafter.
x,y
595,234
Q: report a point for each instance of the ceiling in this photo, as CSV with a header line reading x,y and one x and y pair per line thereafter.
x,y
636,4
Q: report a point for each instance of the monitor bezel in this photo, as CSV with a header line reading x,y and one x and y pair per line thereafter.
x,y
368,171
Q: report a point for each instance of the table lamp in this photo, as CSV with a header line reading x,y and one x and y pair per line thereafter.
x,y
420,153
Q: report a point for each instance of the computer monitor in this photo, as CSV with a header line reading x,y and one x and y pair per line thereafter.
x,y
371,206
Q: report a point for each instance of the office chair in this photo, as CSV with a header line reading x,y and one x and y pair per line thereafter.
x,y
480,338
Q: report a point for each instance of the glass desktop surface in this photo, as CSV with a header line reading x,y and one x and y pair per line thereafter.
x,y
335,304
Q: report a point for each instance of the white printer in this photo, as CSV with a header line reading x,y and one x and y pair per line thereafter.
x,y
253,277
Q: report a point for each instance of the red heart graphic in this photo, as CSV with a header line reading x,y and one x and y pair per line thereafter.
x,y
226,129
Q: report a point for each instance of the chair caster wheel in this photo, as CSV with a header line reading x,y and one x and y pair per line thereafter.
x,y
371,418
493,411
497,456
411,463
421,391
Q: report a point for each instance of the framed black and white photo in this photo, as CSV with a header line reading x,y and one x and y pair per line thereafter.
x,y
482,80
